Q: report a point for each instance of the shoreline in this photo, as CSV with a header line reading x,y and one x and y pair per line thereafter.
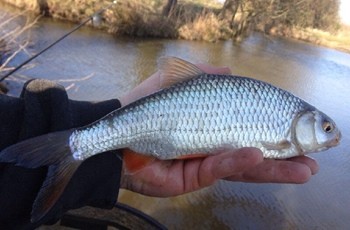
x,y
338,41
130,18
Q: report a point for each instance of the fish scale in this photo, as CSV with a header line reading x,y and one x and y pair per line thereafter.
x,y
202,114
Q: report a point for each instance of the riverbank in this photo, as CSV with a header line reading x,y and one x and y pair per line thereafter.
x,y
338,40
189,20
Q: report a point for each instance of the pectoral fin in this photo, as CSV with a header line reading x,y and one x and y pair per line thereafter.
x,y
284,144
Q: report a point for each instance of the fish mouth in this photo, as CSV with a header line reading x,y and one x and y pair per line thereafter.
x,y
336,140
331,143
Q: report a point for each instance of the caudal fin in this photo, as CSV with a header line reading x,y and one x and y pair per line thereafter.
x,y
48,150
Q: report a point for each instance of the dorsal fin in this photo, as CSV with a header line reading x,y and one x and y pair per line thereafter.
x,y
174,70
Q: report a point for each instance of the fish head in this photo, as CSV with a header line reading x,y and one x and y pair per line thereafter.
x,y
315,131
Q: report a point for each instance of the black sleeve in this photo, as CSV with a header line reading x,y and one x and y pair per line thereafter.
x,y
44,107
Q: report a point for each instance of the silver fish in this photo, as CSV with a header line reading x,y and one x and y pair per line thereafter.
x,y
195,112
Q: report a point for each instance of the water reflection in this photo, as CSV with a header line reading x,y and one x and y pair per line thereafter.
x,y
320,76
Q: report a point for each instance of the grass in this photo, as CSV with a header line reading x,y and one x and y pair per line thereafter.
x,y
191,20
206,26
14,38
337,40
145,19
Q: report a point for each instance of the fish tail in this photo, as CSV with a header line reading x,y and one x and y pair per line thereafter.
x,y
50,150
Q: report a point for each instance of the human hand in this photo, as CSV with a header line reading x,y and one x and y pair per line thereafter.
x,y
174,177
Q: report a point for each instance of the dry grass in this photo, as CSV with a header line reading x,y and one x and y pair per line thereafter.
x,y
191,19
14,37
137,18
337,40
207,27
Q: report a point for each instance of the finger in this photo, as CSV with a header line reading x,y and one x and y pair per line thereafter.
x,y
214,69
228,163
312,163
276,171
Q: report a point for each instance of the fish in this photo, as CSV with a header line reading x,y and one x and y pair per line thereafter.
x,y
193,114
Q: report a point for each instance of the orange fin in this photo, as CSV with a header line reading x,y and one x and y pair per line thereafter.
x,y
135,161
191,156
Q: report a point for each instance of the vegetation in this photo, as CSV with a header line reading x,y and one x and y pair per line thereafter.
x,y
13,40
199,19
209,20
315,21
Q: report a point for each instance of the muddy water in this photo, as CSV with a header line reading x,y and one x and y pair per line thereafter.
x,y
93,65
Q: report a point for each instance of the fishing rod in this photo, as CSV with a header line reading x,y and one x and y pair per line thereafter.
x,y
93,17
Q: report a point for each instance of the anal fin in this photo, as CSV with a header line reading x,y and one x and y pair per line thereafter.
x,y
135,161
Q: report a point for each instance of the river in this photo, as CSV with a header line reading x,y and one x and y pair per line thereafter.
x,y
93,65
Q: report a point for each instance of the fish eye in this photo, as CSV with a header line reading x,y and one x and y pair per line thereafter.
x,y
327,126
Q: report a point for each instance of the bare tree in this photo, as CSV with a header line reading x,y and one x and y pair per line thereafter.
x,y
244,15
